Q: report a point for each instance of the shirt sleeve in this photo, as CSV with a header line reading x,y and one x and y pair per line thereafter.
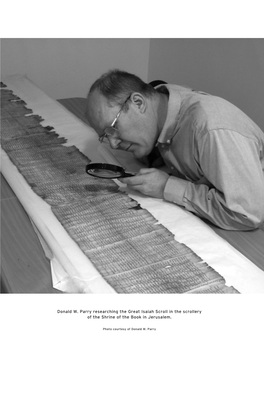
x,y
232,196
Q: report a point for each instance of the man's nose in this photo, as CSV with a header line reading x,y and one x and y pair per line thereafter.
x,y
114,141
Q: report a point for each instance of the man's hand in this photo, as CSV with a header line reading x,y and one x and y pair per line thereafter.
x,y
150,182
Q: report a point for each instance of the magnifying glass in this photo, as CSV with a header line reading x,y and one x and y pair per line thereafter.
x,y
106,170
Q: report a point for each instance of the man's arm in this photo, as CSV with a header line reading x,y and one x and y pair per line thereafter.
x,y
231,195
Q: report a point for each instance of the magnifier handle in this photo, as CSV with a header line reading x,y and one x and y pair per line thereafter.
x,y
125,174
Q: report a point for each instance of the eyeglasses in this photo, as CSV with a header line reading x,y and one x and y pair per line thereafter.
x,y
111,130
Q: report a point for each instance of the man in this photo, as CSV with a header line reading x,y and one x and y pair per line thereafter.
x,y
214,152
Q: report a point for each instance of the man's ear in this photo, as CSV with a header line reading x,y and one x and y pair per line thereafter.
x,y
139,101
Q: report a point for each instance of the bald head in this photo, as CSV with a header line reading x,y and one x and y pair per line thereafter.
x,y
136,116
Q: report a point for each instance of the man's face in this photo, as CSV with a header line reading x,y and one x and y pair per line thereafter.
x,y
136,124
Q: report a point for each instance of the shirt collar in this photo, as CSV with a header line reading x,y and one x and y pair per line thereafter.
x,y
174,105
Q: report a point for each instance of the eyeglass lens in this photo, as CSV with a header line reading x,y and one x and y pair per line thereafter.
x,y
110,131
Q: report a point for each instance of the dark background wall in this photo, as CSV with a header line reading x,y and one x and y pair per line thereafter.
x,y
230,68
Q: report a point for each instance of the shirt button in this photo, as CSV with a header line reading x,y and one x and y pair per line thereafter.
x,y
172,168
168,142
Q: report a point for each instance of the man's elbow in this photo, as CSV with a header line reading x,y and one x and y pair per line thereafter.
x,y
245,219
255,216
257,224
259,220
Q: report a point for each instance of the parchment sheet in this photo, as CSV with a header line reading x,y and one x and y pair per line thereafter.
x,y
71,269
67,258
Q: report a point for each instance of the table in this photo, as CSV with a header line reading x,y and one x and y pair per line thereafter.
x,y
24,265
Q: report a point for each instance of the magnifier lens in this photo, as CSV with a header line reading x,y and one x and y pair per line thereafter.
x,y
104,173
105,170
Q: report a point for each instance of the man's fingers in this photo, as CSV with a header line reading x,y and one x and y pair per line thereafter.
x,y
134,180
146,170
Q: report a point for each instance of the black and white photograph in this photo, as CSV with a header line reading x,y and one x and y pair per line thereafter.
x,y
132,213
